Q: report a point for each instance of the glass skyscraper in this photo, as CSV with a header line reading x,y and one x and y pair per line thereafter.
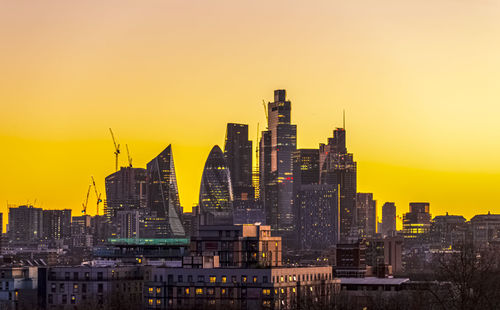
x,y
163,203
238,155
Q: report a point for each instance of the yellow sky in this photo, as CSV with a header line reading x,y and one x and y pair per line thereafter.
x,y
419,81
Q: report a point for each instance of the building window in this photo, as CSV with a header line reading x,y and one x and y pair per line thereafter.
x,y
233,279
150,291
73,299
61,287
150,301
99,276
213,279
75,275
201,279
254,279
243,279
64,299
266,291
190,278
100,288
66,276
186,291
87,276
199,291
158,301
75,287
179,278
210,291
223,291
84,288
51,300
53,287
264,279
224,279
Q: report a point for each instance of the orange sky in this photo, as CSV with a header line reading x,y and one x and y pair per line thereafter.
x,y
419,81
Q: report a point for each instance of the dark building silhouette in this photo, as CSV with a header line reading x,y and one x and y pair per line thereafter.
x,y
238,155
448,230
25,224
417,222
56,224
277,146
125,189
163,198
305,167
216,192
388,219
366,208
317,216
339,168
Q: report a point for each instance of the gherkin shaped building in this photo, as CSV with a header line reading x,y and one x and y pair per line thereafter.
x,y
216,192
163,197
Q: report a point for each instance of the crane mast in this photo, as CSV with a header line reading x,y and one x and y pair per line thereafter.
x,y
117,149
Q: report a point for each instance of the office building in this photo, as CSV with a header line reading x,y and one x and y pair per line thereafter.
x,y
317,216
25,224
388,219
417,222
56,224
216,191
339,168
163,198
366,208
238,156
125,189
485,229
448,231
277,146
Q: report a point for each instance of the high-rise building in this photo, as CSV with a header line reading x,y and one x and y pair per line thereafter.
x,y
339,168
25,224
163,197
417,222
277,146
305,167
238,155
317,216
216,192
125,189
366,208
127,223
56,224
388,219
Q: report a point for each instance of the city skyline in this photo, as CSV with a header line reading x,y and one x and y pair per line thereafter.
x,y
415,106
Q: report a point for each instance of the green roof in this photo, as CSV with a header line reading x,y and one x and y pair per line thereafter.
x,y
152,241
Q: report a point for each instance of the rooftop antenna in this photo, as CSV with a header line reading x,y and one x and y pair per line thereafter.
x,y
343,119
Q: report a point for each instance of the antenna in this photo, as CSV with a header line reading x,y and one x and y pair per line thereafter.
x,y
343,119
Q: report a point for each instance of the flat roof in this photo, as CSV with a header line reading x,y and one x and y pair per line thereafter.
x,y
374,281
151,241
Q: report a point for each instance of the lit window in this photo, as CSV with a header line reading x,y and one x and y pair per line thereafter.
x,y
254,279
213,279
150,301
199,291
151,290
224,279
158,301
158,290
186,291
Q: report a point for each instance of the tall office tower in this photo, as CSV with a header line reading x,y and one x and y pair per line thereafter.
x,y
305,167
127,223
388,219
238,155
366,209
125,189
56,224
277,146
317,216
81,231
418,221
339,168
216,192
1,223
25,224
163,197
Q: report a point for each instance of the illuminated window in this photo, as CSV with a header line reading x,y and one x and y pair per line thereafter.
x,y
254,279
243,279
293,289
158,290
282,279
199,291
223,291
186,291
213,279
158,301
151,290
150,301
266,291
224,279
210,291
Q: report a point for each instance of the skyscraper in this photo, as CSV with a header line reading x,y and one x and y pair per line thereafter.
x,y
238,155
366,209
163,197
216,192
56,224
277,146
125,189
339,168
317,216
418,221
25,224
388,218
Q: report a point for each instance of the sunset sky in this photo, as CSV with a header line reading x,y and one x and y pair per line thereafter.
x,y
419,81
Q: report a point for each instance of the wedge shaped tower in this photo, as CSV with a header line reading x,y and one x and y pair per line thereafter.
x,y
163,197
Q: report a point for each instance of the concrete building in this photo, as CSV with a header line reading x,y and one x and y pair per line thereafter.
x,y
25,224
238,245
485,228
366,208
239,288
417,222
56,224
18,288
388,219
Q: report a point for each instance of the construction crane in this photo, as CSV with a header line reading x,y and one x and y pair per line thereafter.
x,y
98,195
117,149
265,111
84,204
128,156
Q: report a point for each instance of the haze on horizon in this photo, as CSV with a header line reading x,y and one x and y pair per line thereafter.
x,y
419,81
